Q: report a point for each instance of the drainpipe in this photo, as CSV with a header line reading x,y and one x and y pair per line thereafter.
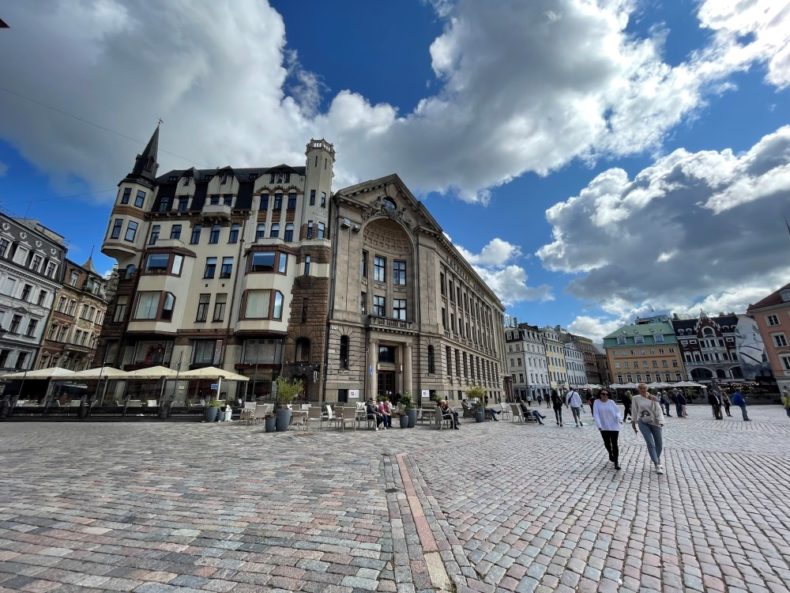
x,y
332,275
239,269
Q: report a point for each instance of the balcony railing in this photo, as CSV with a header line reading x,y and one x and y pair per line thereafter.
x,y
216,211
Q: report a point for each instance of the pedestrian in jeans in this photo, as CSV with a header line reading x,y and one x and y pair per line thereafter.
x,y
607,418
725,400
715,403
627,405
574,401
665,403
647,413
681,405
740,401
556,402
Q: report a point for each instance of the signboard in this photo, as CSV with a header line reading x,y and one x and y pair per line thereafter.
x,y
426,394
215,386
353,394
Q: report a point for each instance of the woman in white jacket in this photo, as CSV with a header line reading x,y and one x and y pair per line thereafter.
x,y
607,419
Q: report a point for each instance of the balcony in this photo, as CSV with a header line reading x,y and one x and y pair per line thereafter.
x,y
168,243
216,211
117,249
386,322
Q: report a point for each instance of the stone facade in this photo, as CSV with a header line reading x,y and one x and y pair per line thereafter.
x,y
709,348
645,351
772,316
31,269
526,361
77,316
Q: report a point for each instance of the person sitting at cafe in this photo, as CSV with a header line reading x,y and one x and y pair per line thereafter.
x,y
448,412
373,413
385,409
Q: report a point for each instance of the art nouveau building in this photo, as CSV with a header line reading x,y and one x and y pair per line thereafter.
x,y
708,347
263,271
31,265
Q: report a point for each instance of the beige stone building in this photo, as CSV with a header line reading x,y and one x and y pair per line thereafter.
x,y
645,351
555,357
265,272
75,323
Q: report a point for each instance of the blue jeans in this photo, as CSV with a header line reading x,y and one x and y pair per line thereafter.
x,y
743,412
652,436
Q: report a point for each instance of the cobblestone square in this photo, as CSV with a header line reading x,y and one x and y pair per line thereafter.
x,y
174,507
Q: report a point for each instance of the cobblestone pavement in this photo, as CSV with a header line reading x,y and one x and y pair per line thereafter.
x,y
174,507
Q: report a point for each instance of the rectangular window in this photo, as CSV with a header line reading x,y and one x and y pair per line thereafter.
x,y
214,200
195,238
178,261
309,229
291,201
444,318
15,321
260,232
227,267
127,193
306,265
213,237
364,264
442,287
659,338
227,199
289,233
399,272
379,268
117,225
772,320
20,360
41,297
131,231
147,305
31,327
779,340
233,236
363,303
262,261
399,309
120,309
379,306
211,267
183,203
156,263
139,199
257,304
155,228
165,204
264,202
282,263
323,199
278,201
203,351
275,231
175,231
26,290
321,230
312,197
219,307
785,358
202,310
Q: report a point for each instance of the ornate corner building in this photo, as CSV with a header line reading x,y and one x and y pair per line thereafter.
x,y
264,271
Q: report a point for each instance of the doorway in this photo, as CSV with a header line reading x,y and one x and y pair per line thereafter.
x,y
386,383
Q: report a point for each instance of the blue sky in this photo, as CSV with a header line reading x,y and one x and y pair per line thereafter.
x,y
593,160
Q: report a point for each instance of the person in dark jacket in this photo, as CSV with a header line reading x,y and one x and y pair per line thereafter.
x,y
715,403
740,401
627,405
373,413
556,402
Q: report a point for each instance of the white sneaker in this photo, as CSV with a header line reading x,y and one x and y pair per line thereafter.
x,y
376,428
659,468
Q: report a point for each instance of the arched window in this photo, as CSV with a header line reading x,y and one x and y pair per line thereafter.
x,y
344,341
302,350
275,231
431,361
131,270
708,332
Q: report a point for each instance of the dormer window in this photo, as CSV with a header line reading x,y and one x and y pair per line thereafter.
x,y
172,178
214,200
785,296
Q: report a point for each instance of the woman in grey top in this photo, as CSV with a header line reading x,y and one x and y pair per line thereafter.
x,y
646,411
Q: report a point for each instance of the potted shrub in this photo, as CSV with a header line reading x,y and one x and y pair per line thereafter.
x,y
477,392
212,409
409,409
286,392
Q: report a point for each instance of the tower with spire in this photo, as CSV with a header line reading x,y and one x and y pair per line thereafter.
x,y
145,164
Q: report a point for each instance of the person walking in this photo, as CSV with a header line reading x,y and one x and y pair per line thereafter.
x,y
574,402
590,400
665,403
725,400
627,405
556,401
540,400
740,401
648,415
607,418
680,402
715,403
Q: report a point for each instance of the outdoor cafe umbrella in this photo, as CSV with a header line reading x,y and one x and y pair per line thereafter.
x,y
50,373
153,373
100,373
214,373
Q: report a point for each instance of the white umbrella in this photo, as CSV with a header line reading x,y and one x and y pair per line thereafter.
x,y
101,373
50,373
214,373
156,372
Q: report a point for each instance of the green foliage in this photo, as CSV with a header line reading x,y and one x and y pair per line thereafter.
x,y
214,403
476,391
405,401
288,390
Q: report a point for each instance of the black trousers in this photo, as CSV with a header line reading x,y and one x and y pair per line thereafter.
x,y
558,415
610,442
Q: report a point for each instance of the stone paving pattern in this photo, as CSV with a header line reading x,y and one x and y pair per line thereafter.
x,y
174,507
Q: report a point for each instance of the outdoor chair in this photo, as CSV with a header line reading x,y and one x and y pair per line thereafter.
x,y
345,415
328,416
440,420
247,415
314,415
506,411
516,415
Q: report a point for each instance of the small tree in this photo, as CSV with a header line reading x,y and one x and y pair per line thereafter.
x,y
288,390
476,391
405,401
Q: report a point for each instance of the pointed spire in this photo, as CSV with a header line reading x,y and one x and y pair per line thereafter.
x,y
88,265
145,165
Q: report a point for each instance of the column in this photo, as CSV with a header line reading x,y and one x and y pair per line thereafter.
x,y
407,370
373,378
